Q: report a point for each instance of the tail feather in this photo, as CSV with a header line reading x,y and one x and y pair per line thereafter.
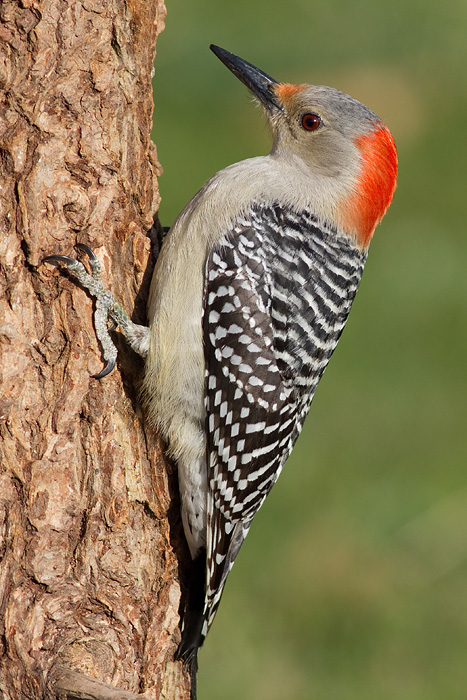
x,y
193,620
188,653
192,637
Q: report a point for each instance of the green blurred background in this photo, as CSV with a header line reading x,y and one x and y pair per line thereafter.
x,y
352,584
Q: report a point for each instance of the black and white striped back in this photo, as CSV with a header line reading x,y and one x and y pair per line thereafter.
x,y
278,292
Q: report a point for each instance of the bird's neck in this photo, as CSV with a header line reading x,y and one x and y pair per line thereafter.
x,y
362,211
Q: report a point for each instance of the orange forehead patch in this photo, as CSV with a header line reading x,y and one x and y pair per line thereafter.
x,y
376,185
285,91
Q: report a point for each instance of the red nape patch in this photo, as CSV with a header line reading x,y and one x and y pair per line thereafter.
x,y
376,185
285,91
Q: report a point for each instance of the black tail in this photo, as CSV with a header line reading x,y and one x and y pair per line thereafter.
x,y
193,618
190,666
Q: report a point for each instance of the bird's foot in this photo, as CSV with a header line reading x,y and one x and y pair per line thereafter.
x,y
106,308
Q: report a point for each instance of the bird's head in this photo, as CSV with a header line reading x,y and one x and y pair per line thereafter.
x,y
338,141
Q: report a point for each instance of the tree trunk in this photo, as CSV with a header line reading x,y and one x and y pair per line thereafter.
x,y
88,575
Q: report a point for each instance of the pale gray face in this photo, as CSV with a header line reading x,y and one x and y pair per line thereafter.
x,y
321,125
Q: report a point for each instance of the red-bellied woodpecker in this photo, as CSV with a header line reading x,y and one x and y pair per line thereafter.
x,y
250,294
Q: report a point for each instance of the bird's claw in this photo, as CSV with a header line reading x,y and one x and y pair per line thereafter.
x,y
93,260
89,251
57,259
109,367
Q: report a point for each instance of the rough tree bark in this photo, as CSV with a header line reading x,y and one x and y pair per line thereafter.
x,y
88,573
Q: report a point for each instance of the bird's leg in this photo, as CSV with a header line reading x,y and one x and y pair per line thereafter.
x,y
106,307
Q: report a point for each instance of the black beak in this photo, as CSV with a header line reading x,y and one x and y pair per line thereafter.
x,y
260,84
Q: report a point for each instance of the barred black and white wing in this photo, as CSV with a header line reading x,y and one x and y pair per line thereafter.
x,y
278,292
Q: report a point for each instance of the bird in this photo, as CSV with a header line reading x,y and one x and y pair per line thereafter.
x,y
249,296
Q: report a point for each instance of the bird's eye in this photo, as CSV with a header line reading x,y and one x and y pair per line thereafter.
x,y
310,121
